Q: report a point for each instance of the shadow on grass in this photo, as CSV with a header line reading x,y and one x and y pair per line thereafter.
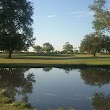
x,y
56,58
52,56
55,55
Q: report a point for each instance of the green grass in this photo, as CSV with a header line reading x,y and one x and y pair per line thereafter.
x,y
54,60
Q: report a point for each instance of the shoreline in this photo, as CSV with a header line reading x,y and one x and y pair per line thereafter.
x,y
35,65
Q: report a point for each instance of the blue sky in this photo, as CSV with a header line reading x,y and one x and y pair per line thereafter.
x,y
60,21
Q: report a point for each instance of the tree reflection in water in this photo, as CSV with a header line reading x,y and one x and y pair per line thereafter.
x,y
101,101
95,76
47,69
68,69
13,81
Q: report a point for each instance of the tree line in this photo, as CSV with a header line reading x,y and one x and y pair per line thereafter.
x,y
49,48
99,40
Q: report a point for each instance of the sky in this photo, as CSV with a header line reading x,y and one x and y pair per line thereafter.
x,y
60,21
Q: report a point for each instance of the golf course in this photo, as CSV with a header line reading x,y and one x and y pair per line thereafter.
x,y
33,60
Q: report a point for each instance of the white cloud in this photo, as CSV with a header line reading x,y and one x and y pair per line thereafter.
x,y
90,13
51,16
76,12
82,13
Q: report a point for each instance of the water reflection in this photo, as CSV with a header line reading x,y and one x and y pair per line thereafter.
x,y
95,76
100,101
13,81
68,69
77,88
47,69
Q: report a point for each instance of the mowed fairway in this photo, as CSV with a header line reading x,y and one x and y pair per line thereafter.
x,y
30,60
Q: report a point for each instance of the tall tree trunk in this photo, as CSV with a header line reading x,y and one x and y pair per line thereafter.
x,y
94,54
10,53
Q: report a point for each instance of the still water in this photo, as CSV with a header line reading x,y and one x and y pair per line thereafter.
x,y
44,88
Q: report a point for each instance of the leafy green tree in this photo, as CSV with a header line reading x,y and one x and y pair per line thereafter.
x,y
16,31
101,20
47,47
37,48
101,15
107,43
92,43
68,48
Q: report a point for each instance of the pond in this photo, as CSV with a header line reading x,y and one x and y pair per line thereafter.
x,y
44,88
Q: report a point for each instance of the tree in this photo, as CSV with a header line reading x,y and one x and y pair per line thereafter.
x,y
37,48
92,43
47,47
101,15
68,48
16,31
107,43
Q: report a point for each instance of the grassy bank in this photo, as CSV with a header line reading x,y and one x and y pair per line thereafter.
x,y
54,60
